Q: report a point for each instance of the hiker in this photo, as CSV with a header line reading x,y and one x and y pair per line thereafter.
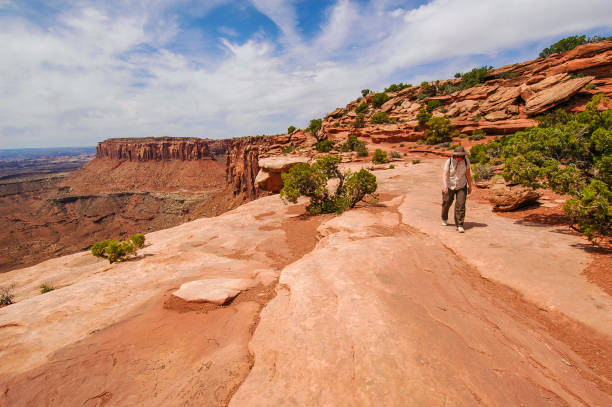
x,y
456,184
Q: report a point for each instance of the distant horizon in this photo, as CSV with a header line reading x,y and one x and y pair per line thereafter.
x,y
239,68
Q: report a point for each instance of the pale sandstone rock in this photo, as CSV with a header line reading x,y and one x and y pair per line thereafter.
x,y
502,98
548,98
269,176
215,290
495,116
509,197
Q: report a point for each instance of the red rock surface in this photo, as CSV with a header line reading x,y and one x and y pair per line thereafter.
x,y
377,306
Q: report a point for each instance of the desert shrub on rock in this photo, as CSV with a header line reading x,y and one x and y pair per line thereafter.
x,y
423,116
314,126
474,77
312,181
396,87
482,171
438,130
379,157
6,295
569,153
361,108
379,99
114,250
290,129
324,146
359,121
45,288
365,92
379,118
354,144
569,43
433,105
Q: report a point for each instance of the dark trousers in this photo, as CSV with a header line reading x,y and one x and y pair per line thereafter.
x,y
447,201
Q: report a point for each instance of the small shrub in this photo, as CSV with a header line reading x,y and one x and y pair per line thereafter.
x,y
477,117
443,110
6,295
379,99
416,161
433,105
365,92
402,144
438,130
324,146
396,87
592,209
359,121
288,149
379,157
337,124
474,77
478,134
45,288
138,239
114,250
290,129
482,171
395,154
354,144
391,166
311,181
423,116
379,118
361,108
314,126
590,86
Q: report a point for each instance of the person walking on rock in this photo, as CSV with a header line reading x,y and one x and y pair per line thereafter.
x,y
456,185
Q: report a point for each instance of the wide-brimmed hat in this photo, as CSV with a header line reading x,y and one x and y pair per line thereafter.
x,y
459,151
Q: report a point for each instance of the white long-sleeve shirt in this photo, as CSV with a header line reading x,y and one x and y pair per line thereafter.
x,y
455,172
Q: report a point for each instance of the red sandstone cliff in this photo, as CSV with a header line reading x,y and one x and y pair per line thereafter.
x,y
161,149
508,101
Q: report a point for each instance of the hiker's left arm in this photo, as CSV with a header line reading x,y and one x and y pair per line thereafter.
x,y
468,176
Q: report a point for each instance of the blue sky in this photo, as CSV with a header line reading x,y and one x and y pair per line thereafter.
x,y
73,73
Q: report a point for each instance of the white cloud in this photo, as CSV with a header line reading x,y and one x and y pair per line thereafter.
x,y
101,73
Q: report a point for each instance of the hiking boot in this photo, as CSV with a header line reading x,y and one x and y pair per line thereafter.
x,y
444,223
460,229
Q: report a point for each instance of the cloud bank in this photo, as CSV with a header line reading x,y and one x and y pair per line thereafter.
x,y
81,73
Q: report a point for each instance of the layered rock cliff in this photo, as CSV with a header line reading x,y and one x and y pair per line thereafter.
x,y
133,185
161,149
509,100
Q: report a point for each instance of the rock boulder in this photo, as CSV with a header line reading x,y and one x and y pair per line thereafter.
x,y
215,290
509,197
270,169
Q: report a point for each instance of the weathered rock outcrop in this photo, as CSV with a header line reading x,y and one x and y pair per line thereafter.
x,y
506,102
161,149
509,197
270,170
242,159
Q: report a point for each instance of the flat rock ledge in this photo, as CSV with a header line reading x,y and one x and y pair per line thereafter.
x,y
215,290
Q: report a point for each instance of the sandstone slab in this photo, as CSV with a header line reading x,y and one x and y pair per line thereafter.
x,y
509,197
215,290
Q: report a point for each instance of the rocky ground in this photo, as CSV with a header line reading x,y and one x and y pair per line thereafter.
x,y
378,306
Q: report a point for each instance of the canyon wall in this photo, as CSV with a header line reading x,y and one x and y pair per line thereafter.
x,y
161,149
133,185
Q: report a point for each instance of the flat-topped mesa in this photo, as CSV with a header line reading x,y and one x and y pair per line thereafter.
x,y
161,149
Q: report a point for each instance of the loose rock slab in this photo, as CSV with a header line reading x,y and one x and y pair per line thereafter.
x,y
215,290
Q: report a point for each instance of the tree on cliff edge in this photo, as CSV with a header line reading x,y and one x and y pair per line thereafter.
x,y
312,181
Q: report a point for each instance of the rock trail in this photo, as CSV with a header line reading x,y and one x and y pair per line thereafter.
x,y
377,306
